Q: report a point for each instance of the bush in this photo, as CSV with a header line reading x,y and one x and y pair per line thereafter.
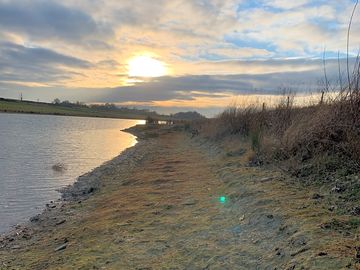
x,y
298,133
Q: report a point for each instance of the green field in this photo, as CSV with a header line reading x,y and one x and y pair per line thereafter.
x,y
30,107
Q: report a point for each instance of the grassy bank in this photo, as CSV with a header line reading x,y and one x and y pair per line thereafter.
x,y
317,144
16,106
144,211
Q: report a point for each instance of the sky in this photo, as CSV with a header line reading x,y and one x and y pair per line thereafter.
x,y
171,55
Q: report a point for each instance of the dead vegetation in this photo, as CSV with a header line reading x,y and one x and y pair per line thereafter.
x,y
299,134
318,143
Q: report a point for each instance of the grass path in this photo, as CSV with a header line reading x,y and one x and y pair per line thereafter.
x,y
163,212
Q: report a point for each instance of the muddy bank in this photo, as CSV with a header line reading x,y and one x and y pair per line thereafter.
x,y
176,202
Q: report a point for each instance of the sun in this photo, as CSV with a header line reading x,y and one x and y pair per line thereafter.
x,y
146,66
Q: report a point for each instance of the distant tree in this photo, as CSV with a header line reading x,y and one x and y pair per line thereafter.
x,y
151,121
110,106
66,103
188,116
56,101
80,104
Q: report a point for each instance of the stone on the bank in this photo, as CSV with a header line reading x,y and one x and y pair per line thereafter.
x,y
61,247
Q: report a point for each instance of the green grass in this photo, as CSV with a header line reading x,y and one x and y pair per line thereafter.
x,y
15,106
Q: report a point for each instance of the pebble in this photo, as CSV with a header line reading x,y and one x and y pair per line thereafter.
x,y
190,202
35,218
61,247
266,179
61,222
317,196
338,189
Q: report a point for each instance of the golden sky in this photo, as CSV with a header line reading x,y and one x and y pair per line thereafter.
x,y
170,55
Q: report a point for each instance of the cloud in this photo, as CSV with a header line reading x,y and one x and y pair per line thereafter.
x,y
260,77
214,48
192,87
43,20
39,65
285,4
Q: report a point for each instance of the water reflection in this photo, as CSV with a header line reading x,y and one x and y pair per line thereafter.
x,y
30,146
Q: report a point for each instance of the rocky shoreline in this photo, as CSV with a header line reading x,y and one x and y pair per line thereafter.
x,y
84,186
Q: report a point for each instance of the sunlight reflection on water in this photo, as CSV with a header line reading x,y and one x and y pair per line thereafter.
x,y
30,145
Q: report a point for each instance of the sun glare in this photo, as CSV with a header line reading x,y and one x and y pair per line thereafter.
x,y
146,66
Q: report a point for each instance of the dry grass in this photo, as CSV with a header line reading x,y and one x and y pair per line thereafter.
x,y
329,128
164,213
319,143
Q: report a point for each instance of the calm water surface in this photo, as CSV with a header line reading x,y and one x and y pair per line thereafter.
x,y
31,144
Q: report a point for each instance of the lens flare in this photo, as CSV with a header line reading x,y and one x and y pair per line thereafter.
x,y
222,199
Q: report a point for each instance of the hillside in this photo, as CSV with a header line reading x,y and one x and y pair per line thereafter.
x,y
75,109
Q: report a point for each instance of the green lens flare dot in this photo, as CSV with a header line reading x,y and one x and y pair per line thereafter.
x,y
222,199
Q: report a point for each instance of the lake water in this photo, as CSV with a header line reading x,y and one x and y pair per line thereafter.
x,y
31,144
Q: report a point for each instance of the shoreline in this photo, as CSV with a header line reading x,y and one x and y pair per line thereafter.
x,y
73,115
156,206
83,187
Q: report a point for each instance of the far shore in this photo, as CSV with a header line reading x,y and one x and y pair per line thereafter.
x,y
71,115
31,107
